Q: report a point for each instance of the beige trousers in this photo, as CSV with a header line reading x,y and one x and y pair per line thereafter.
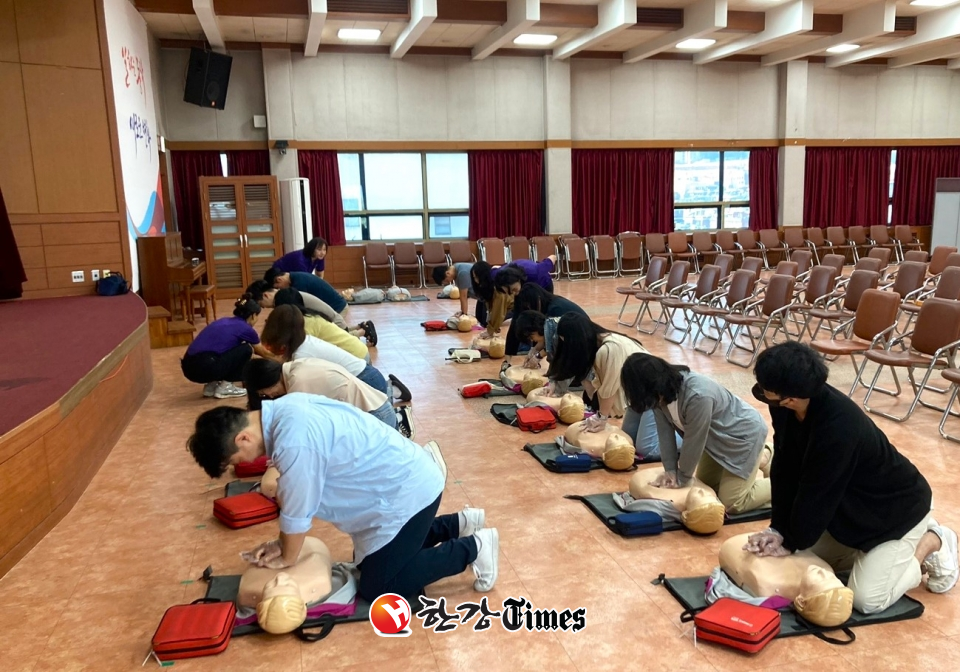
x,y
737,494
881,576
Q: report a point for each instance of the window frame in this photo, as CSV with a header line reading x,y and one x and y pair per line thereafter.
x,y
720,205
425,213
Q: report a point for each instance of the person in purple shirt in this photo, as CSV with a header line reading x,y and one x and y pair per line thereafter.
x,y
308,260
219,352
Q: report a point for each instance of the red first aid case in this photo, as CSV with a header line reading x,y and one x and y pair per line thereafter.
x,y
250,508
247,469
737,625
193,630
535,418
475,389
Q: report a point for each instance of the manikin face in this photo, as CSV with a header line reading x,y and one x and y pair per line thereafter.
x,y
320,253
818,580
700,496
282,585
282,281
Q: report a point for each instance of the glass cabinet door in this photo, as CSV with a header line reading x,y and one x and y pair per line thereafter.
x,y
225,253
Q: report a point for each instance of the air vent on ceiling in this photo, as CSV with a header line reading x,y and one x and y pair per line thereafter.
x,y
905,23
653,16
369,6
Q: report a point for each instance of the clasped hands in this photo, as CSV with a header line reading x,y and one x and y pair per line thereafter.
x,y
667,480
768,543
268,554
595,423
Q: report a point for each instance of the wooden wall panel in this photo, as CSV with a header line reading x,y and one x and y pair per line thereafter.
x,y
36,281
16,169
58,32
70,139
26,494
9,51
80,233
97,255
27,235
32,257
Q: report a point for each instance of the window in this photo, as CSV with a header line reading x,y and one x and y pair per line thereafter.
x,y
404,195
711,190
893,175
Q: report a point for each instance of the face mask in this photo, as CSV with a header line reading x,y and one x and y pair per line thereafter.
x,y
759,396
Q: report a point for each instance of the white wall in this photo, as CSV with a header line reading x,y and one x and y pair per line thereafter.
x,y
666,100
870,101
245,98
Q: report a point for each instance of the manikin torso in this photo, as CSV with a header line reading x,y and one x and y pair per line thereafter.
x,y
768,576
593,443
641,488
311,573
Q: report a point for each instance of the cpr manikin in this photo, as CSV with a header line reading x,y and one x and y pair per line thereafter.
x,y
802,577
495,347
594,443
700,509
281,596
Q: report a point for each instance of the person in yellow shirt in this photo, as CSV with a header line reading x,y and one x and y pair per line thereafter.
x,y
318,326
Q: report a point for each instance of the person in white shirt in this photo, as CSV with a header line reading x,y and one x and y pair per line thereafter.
x,y
386,498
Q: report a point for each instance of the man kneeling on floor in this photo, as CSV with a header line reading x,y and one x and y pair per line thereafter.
x,y
842,491
343,466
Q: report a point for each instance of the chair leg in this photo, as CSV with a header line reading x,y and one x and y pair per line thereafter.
x,y
366,283
213,302
947,413
913,405
671,325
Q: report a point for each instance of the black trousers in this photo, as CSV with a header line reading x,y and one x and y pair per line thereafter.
x,y
210,367
425,550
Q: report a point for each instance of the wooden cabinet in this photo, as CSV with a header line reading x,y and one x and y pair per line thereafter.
x,y
241,228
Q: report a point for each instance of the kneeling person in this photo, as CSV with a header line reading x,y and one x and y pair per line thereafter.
x,y
338,464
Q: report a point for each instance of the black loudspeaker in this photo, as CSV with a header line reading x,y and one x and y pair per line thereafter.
x,y
208,74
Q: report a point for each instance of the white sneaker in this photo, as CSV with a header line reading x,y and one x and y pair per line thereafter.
x,y
433,448
471,521
227,390
766,460
942,566
405,422
210,388
487,565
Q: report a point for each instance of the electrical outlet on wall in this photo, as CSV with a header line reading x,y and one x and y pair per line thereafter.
x,y
94,275
77,276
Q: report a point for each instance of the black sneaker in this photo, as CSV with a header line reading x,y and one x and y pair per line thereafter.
x,y
405,422
405,395
371,332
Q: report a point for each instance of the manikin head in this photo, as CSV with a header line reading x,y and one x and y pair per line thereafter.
x,y
571,409
497,348
703,512
466,323
282,609
618,452
347,294
532,381
823,599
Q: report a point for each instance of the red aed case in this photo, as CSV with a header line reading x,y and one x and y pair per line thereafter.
x,y
194,630
247,469
737,625
535,418
475,389
250,508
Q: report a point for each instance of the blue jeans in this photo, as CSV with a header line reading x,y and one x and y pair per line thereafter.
x,y
643,428
386,414
372,377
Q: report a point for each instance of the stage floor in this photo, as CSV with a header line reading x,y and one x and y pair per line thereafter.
x,y
48,345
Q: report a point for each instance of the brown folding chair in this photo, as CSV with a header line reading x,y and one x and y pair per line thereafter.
x,y
883,254
493,251
725,263
938,259
857,236
681,249
377,256
839,244
405,258
880,237
816,242
804,259
739,293
603,251
819,289
518,246
543,247
916,255
651,283
771,247
747,240
910,280
575,252
905,241
630,244
752,264
835,260
727,244
933,346
703,245
793,240
947,288
764,313
433,255
655,245
460,252
873,327
845,303
676,283
953,376
701,294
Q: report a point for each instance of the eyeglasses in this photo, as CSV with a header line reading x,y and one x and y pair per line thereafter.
x,y
760,396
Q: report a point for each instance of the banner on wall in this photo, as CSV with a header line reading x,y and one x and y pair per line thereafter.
x,y
129,45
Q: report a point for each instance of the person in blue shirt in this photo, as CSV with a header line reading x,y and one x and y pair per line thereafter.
x,y
309,283
532,296
308,260
385,498
219,352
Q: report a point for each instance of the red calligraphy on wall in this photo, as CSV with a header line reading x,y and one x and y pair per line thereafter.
x,y
133,68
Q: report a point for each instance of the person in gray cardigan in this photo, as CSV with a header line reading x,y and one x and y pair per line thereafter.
x,y
723,436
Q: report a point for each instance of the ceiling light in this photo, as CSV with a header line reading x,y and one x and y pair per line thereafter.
x,y
695,44
359,34
932,3
842,48
535,39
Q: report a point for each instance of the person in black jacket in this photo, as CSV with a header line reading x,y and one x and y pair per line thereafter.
x,y
842,491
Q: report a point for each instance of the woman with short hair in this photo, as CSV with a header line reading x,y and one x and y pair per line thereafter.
x,y
311,259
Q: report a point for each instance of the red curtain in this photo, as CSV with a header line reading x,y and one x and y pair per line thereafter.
x,y
764,187
247,162
321,168
188,167
915,182
12,275
846,186
618,190
506,193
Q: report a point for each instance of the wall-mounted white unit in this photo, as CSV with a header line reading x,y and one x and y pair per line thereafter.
x,y
946,214
297,216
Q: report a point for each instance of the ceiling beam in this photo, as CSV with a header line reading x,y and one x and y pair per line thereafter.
x,y
701,18
422,14
953,64
318,16
275,9
795,17
612,17
744,22
553,15
932,27
521,14
164,6
211,27
949,49
860,24
472,11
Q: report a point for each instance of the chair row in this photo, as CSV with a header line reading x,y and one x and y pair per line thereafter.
x,y
406,257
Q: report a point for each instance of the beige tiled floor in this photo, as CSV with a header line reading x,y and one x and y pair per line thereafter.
x,y
90,594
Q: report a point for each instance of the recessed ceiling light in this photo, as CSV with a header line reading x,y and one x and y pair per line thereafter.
x,y
842,48
535,39
695,44
359,34
932,3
